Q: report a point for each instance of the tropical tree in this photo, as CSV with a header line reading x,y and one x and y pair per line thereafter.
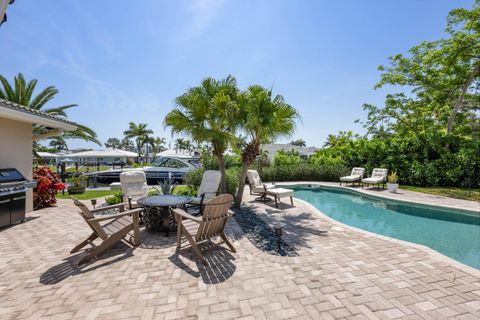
x,y
180,144
22,92
149,143
299,143
262,117
207,113
113,143
138,132
127,145
158,145
58,143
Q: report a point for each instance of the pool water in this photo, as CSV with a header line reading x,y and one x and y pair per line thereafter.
x,y
454,234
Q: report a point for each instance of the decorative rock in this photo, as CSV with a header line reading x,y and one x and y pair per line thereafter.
x,y
261,235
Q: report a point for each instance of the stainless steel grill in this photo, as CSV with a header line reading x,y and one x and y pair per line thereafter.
x,y
13,186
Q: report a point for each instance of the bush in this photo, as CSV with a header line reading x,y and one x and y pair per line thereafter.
x,y
210,162
193,179
48,183
287,158
114,198
304,172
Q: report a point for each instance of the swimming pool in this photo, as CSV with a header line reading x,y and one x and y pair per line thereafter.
x,y
454,234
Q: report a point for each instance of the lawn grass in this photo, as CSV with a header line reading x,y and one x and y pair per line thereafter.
x,y
89,194
93,194
458,193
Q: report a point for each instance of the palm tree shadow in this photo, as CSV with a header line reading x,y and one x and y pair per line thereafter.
x,y
220,261
70,267
298,228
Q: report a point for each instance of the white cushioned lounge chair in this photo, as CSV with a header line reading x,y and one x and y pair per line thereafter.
x,y
379,176
134,186
256,185
355,176
208,188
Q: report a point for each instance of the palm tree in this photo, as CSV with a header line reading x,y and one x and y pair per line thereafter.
x,y
179,144
21,92
149,143
158,145
127,145
58,143
207,114
138,132
113,143
263,118
299,143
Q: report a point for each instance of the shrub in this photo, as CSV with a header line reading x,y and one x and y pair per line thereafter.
x,y
48,183
304,172
193,179
287,158
115,198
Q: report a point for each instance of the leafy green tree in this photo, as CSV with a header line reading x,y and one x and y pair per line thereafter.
x,y
299,143
138,132
113,143
22,92
207,113
262,117
442,75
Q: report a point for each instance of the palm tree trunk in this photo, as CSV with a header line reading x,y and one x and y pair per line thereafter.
x,y
241,185
221,166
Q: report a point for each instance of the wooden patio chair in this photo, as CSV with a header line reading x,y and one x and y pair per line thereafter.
x,y
116,227
210,224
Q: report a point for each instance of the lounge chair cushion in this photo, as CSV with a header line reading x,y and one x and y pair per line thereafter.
x,y
134,184
261,188
379,175
351,178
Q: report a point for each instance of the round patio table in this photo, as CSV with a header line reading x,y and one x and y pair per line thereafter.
x,y
158,215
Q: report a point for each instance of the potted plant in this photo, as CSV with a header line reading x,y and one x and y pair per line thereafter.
x,y
77,185
392,182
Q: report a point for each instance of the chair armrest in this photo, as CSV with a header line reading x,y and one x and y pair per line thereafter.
x,y
118,215
183,214
120,206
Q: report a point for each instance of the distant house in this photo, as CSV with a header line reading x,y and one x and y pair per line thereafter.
x,y
108,157
273,148
16,137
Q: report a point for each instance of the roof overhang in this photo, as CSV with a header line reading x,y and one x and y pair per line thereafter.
x,y
22,116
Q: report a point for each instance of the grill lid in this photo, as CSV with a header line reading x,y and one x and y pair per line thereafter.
x,y
11,175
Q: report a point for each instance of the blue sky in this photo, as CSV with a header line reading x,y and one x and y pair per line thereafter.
x,y
123,61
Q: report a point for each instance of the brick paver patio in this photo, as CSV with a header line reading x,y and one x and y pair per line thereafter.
x,y
346,274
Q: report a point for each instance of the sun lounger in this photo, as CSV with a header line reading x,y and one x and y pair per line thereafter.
x,y
379,176
355,176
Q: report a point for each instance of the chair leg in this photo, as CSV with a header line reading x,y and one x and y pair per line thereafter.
x,y
224,237
276,202
92,237
136,229
195,248
291,200
179,231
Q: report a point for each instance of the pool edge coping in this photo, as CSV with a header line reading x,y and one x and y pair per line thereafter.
x,y
440,256
381,196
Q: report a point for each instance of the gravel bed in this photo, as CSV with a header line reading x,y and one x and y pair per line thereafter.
x,y
260,234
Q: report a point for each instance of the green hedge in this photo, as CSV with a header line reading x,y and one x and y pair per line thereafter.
x,y
304,172
194,178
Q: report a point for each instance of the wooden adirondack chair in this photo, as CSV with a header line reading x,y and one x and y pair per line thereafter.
x,y
117,227
211,224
